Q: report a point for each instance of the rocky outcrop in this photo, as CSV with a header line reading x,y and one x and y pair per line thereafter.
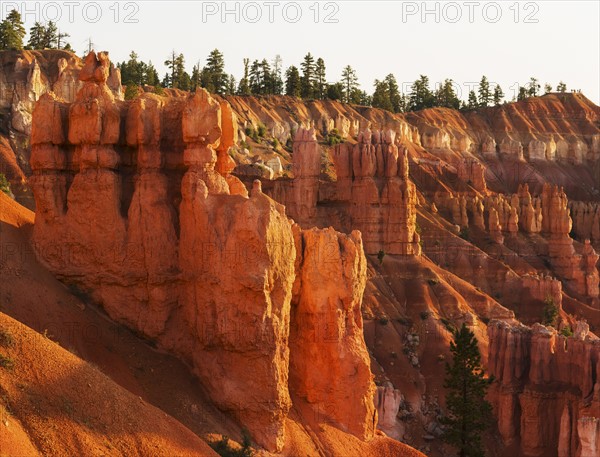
x,y
329,361
25,76
135,208
373,192
546,393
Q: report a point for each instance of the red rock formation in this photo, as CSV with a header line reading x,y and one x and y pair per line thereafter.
x,y
546,386
387,218
207,274
329,362
473,173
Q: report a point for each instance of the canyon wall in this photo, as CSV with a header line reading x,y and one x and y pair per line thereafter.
x,y
547,392
137,208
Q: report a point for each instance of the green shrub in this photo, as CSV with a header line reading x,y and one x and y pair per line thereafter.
x,y
566,331
131,92
380,256
6,362
261,130
384,321
6,339
334,137
433,281
424,315
550,313
158,90
5,185
464,233
275,143
223,448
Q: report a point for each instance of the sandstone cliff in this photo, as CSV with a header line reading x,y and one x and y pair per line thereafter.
x,y
132,210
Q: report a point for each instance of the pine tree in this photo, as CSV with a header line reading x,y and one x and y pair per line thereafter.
x,y
267,87
446,96
469,413
381,96
472,102
498,95
562,87
151,75
292,82
255,78
420,96
320,79
196,77
12,32
60,44
37,36
534,87
244,87
547,88
523,93
484,92
215,71
335,91
51,36
171,63
394,92
276,78
350,83
308,76
231,84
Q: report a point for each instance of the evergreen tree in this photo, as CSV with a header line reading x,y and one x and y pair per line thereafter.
x,y
485,95
350,84
335,91
562,87
268,85
37,36
472,102
178,78
360,97
292,82
523,93
151,75
534,87
276,78
307,83
244,87
51,36
60,43
381,96
469,413
320,79
196,77
215,72
12,32
420,96
231,84
446,96
547,88
394,93
498,95
255,78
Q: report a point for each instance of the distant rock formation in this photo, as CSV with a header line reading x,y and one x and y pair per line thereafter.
x,y
546,394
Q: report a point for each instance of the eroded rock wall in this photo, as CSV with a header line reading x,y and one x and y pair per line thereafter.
x,y
136,207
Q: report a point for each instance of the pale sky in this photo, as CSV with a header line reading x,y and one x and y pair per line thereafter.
x,y
507,41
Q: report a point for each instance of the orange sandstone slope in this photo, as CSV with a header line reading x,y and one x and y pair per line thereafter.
x,y
55,404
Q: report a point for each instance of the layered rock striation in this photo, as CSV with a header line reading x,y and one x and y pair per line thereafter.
x,y
547,393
